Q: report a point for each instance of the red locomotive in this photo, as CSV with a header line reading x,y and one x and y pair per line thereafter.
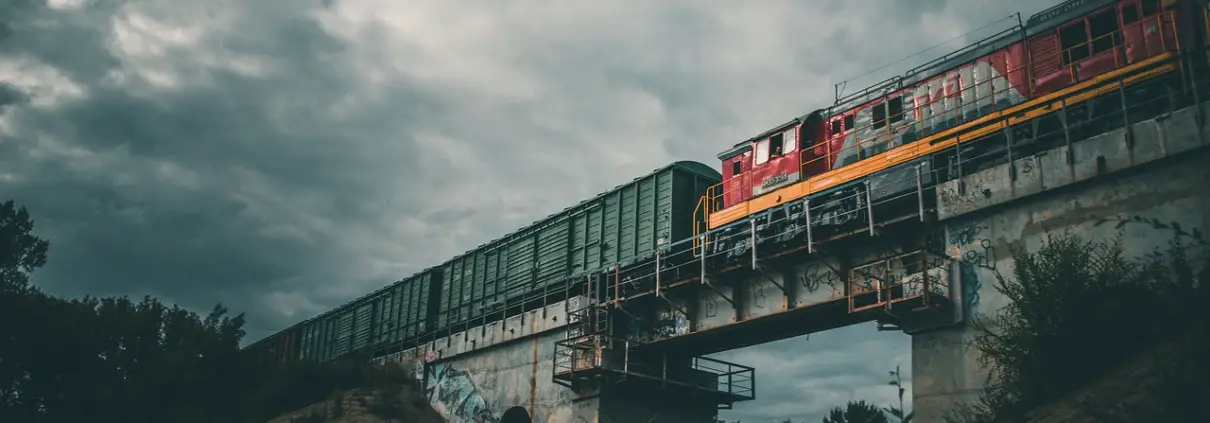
x,y
868,146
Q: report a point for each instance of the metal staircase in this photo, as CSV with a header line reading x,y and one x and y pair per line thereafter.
x,y
592,358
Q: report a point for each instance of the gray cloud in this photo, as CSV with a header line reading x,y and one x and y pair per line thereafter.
x,y
283,157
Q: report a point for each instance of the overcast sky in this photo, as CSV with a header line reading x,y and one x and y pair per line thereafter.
x,y
283,157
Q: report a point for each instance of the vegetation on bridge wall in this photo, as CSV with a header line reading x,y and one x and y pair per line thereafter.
x,y
1093,335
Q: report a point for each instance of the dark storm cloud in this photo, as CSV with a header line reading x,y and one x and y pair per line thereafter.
x,y
284,157
218,189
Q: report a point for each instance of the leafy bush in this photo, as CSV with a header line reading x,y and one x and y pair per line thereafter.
x,y
1079,309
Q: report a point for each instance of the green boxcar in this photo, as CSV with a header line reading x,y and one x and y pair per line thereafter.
x,y
383,318
620,226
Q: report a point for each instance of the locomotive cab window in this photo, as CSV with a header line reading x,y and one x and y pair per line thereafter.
x,y
836,127
1130,14
736,167
879,115
1074,42
849,122
762,152
1150,7
1103,28
775,145
895,109
790,141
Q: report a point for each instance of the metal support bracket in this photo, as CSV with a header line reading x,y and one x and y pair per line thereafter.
x,y
721,294
761,271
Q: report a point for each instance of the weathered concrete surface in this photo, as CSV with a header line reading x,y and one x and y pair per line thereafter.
x,y
1109,178
479,374
503,367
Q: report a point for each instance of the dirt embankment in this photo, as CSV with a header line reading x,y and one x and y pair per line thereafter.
x,y
1168,383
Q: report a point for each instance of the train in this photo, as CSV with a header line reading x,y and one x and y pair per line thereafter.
x,y
515,273
1056,76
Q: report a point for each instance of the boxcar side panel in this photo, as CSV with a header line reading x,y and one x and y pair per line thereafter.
x,y
593,254
493,275
430,290
553,254
363,320
520,264
665,190
478,282
647,204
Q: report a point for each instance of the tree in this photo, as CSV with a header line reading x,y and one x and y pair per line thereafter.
x,y
115,359
856,412
20,251
899,412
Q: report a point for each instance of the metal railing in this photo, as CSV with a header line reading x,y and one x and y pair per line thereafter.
x,y
593,355
735,380
899,278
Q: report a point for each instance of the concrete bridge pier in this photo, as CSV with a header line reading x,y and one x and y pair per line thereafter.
x,y
1156,168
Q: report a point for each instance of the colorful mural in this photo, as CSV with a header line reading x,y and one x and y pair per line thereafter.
x,y
453,393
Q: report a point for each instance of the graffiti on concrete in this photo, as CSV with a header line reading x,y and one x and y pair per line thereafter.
x,y
973,249
970,244
816,275
758,295
709,304
972,196
671,323
453,393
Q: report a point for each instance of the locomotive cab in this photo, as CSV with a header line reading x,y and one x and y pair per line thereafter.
x,y
762,164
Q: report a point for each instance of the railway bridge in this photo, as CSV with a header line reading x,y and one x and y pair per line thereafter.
x,y
618,350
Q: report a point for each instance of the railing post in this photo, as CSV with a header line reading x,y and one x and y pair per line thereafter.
x,y
1069,157
752,226
806,207
958,164
919,193
1125,114
869,206
664,369
657,273
924,266
1008,146
626,358
702,260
